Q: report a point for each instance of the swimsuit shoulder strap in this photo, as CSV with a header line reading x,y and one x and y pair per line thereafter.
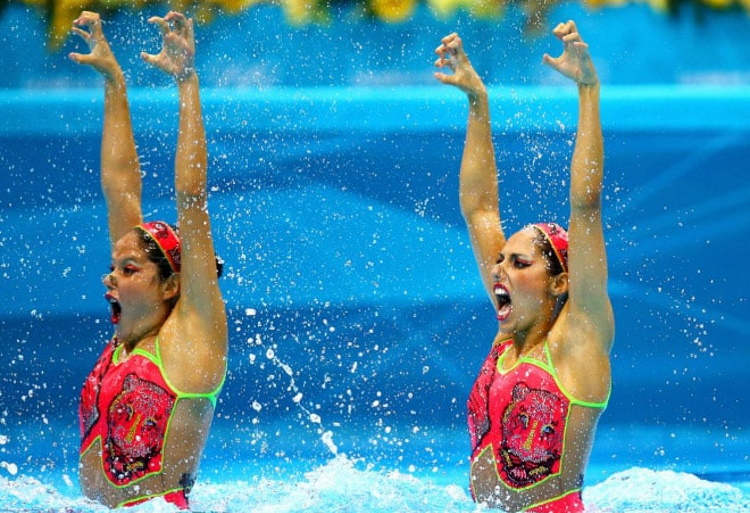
x,y
553,372
212,396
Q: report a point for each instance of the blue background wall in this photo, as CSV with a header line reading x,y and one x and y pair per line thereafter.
x,y
350,279
632,44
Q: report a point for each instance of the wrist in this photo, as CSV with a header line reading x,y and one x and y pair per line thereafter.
x,y
477,96
588,87
186,75
588,80
114,76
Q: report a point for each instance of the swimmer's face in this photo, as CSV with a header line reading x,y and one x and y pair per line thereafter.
x,y
521,282
133,285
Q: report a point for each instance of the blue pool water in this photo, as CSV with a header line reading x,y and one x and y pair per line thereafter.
x,y
358,322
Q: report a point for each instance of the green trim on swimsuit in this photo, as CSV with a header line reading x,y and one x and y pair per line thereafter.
x,y
550,369
212,396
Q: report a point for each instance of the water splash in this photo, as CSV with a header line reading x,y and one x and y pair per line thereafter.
x,y
353,486
326,436
640,490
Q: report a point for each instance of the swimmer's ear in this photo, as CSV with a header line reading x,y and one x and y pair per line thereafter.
x,y
171,287
559,285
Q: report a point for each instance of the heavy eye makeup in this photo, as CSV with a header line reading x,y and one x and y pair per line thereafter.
x,y
125,269
521,262
516,260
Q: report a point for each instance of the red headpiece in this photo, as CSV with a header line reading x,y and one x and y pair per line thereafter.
x,y
558,239
166,239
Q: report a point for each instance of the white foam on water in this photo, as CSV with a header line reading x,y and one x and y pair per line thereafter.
x,y
353,486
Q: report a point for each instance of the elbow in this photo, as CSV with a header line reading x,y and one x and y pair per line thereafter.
x,y
190,185
467,206
192,198
591,205
586,197
473,204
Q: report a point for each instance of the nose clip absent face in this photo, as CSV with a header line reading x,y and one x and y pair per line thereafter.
x,y
497,271
109,280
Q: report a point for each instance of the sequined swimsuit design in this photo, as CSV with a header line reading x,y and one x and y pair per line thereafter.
x,y
521,416
127,406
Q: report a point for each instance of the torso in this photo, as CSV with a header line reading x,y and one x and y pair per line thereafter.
x,y
129,414
530,438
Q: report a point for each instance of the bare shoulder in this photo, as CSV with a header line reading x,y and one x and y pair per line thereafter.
x,y
581,359
194,353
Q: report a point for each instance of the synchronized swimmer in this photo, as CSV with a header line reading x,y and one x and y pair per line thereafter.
x,y
534,407
147,406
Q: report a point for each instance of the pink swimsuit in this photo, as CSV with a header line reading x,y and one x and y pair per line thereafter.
x,y
128,407
521,416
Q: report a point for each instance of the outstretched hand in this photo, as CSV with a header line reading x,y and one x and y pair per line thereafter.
x,y
575,61
89,27
177,56
451,54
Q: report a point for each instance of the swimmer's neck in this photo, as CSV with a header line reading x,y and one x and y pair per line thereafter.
x,y
137,327
524,342
131,338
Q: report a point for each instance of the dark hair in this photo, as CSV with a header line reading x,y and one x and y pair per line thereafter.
x,y
554,266
156,255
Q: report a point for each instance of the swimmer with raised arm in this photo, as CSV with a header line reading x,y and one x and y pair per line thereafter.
x,y
535,404
147,406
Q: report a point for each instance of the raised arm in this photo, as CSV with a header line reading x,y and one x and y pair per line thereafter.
x,y
201,308
120,169
589,307
478,185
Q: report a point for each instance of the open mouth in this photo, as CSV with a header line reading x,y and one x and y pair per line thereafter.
x,y
502,300
116,309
